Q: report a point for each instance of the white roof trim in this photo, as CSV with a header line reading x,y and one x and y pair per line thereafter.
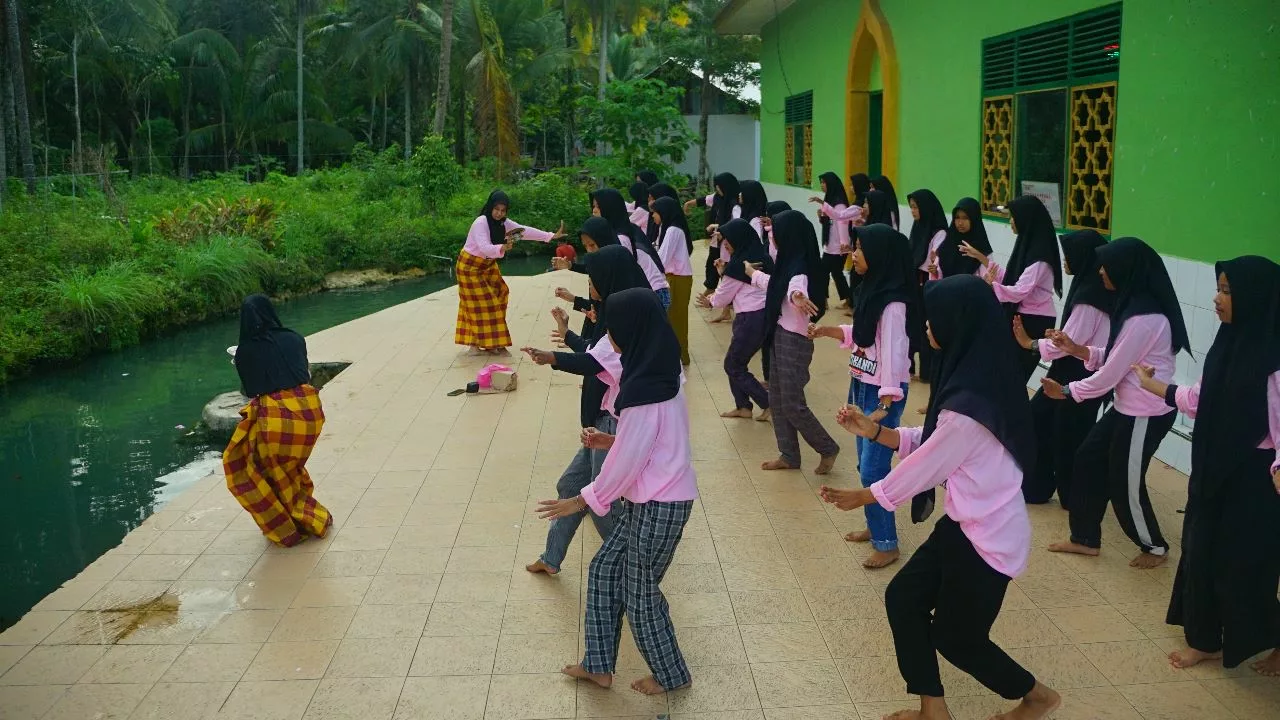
x,y
747,17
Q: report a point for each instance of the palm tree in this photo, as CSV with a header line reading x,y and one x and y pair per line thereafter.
x,y
18,85
207,58
302,8
446,67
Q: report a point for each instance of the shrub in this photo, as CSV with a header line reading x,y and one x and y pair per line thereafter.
x,y
247,217
436,171
222,270
108,304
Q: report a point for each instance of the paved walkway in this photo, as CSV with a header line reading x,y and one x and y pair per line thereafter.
x,y
418,606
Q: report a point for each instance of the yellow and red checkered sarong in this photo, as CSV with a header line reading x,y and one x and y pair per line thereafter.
x,y
482,303
265,464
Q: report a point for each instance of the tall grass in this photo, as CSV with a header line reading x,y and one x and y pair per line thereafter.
x,y
113,300
223,270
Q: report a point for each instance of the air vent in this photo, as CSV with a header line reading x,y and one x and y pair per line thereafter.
x,y
800,108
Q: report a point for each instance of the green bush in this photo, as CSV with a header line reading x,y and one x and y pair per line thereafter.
x,y
223,270
108,305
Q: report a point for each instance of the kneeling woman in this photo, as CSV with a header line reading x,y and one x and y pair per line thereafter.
x,y
977,439
482,293
650,467
266,460
735,290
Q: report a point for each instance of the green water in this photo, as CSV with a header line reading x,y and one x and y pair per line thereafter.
x,y
89,452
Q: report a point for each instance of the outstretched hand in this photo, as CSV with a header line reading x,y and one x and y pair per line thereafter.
x,y
541,357
593,439
847,499
804,304
1063,342
851,418
1052,389
1020,333
564,294
553,509
559,232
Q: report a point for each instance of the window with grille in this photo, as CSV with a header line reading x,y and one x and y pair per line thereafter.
x,y
798,147
1048,116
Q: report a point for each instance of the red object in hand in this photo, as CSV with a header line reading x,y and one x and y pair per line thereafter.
x,y
567,252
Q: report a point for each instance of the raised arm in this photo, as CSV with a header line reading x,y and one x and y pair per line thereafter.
x,y
636,436
1139,335
530,233
1038,275
842,213
929,464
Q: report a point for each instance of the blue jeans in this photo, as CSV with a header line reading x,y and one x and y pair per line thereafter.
x,y
874,460
584,468
664,296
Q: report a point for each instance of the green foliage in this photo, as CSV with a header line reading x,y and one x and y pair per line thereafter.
x,y
640,121
436,171
223,269
245,217
108,304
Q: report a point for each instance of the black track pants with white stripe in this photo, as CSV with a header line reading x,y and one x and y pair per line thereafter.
x,y
1111,466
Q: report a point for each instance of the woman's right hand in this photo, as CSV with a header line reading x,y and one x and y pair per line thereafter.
x,y
540,357
703,301
970,251
562,321
1020,334
752,268
1064,343
593,439
564,294
815,199
851,418
689,205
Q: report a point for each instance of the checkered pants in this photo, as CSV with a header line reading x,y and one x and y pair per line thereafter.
x,y
624,578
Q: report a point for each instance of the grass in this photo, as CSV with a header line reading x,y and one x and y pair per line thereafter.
x,y
86,274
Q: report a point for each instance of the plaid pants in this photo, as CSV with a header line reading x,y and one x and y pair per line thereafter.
x,y
792,417
624,578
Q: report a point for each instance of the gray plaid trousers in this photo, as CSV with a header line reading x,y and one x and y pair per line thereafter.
x,y
624,578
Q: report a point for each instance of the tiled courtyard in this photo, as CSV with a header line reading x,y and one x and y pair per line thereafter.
x,y
417,605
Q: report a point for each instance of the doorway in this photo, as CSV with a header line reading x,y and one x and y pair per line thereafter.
x,y
875,131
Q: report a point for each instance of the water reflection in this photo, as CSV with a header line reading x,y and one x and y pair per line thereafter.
x,y
87,453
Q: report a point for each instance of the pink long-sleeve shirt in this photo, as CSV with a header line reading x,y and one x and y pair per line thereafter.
x,y
657,279
1143,340
745,297
736,212
838,238
640,218
674,252
1087,325
934,243
792,317
984,486
650,460
1188,400
1033,292
478,244
611,375
889,355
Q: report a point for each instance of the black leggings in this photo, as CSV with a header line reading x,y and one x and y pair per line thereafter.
x,y
1061,427
834,264
712,275
945,600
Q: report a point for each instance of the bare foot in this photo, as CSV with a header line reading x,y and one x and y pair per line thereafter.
x,y
765,415
922,410
858,536
737,413
881,558
825,465
604,680
931,708
903,715
537,566
724,317
1147,561
1036,705
778,464
1269,666
649,686
1190,657
1074,549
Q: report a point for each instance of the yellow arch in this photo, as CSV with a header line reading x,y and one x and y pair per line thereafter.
x,y
871,36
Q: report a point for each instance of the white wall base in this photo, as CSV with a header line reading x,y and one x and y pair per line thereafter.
x,y
1194,281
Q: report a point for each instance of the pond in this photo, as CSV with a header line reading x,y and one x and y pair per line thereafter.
x,y
88,452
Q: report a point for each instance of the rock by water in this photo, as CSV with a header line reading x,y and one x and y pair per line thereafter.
x,y
222,414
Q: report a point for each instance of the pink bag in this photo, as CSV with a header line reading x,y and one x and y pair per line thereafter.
x,y
485,377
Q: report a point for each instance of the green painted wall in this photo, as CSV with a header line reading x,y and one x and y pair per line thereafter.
x,y
1199,108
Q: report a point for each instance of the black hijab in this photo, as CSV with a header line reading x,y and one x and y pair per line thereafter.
x,y
672,216
614,209
747,248
881,183
640,195
878,210
1232,419
612,270
976,372
833,195
889,279
1080,250
497,229
648,177
599,230
650,351
722,204
659,190
776,206
950,261
754,200
270,357
1142,287
1037,241
933,219
798,254
860,184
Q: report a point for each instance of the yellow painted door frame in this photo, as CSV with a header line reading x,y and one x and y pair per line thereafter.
x,y
871,36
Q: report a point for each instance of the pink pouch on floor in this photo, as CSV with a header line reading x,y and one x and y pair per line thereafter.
x,y
484,378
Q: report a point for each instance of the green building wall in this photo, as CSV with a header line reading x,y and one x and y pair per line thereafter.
x,y
1197,169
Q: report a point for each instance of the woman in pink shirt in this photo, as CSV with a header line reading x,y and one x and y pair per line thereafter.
x,y
966,228
976,438
1111,464
880,183
834,216
608,204
1027,284
1224,595
650,468
928,230
724,207
795,295
735,289
482,293
639,207
675,244
754,202
878,364
1062,427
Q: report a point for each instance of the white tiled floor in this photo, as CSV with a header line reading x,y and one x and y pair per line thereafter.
x,y
418,606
